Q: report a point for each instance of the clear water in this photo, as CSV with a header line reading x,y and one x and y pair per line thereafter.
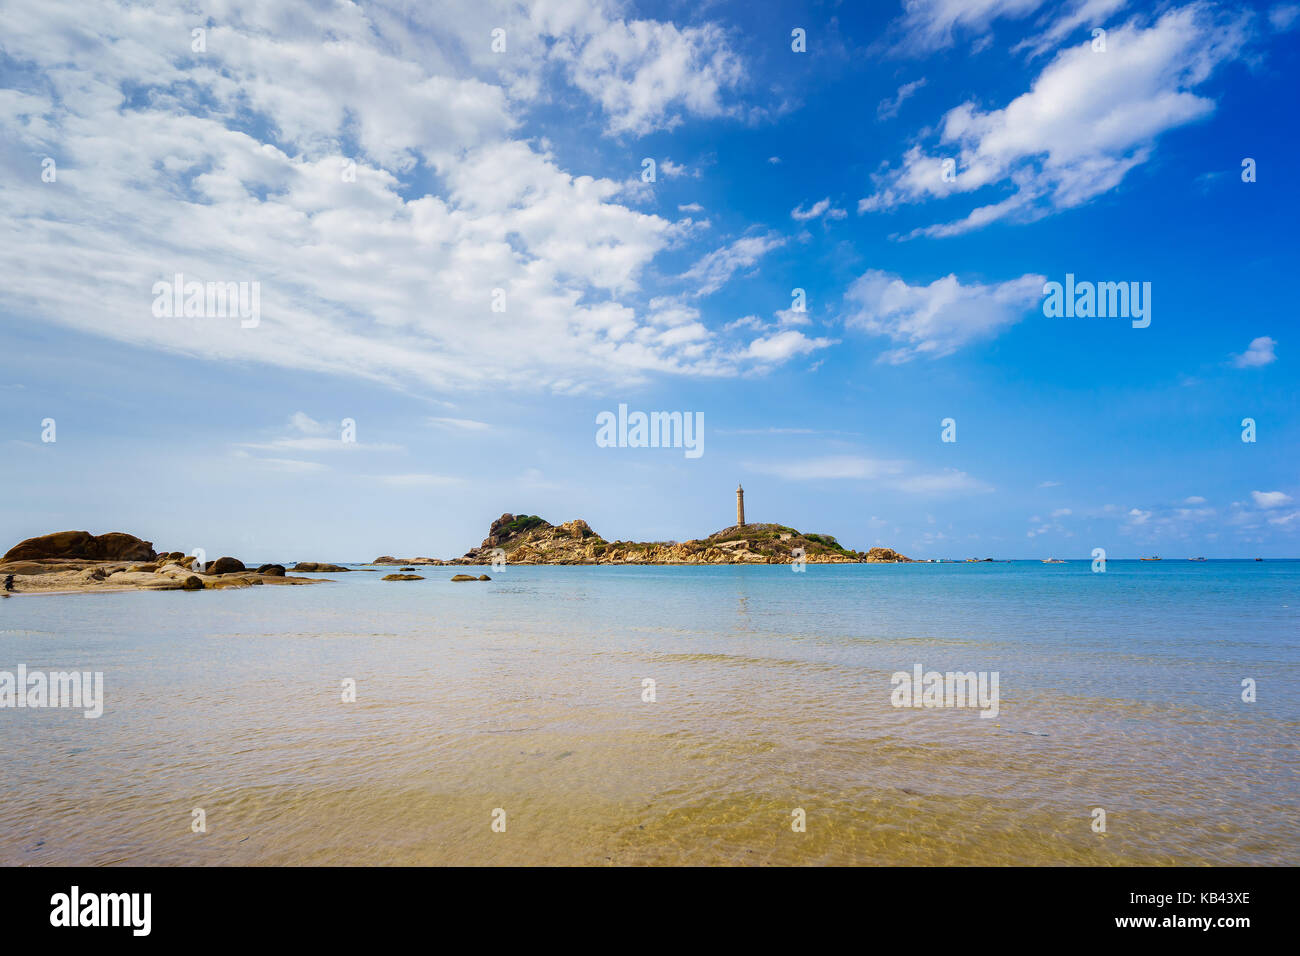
x,y
1120,691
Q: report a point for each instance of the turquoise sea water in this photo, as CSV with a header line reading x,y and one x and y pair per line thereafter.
x,y
1120,691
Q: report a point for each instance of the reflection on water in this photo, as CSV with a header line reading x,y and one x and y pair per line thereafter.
x,y
1120,691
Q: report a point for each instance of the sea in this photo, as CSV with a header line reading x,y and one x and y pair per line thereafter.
x,y
652,715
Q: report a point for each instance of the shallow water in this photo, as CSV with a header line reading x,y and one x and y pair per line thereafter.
x,y
1119,690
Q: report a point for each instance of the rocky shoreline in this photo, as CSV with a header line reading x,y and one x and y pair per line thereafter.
x,y
77,561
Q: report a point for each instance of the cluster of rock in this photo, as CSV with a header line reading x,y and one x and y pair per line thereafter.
x,y
529,539
80,561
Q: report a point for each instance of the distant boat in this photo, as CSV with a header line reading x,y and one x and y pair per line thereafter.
x,y
1052,561
1195,559
1152,558
1259,559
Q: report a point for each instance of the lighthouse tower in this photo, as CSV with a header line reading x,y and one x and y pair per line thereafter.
x,y
740,506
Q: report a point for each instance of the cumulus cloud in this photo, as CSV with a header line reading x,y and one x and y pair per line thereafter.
x,y
361,167
784,345
1086,121
644,73
1259,353
937,319
1270,499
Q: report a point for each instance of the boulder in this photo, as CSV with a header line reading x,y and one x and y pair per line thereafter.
x,y
318,568
192,582
276,570
402,577
484,577
113,546
463,577
224,566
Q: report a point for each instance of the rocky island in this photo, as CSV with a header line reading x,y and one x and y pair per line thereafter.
x,y
530,539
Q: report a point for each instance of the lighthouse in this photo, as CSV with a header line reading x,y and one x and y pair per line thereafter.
x,y
740,506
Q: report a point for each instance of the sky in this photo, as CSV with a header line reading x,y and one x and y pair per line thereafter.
x,y
474,227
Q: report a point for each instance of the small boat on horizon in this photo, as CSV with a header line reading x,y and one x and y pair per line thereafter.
x,y
1153,557
1053,561
1195,559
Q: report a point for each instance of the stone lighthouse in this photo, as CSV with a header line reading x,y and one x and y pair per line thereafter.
x,y
740,506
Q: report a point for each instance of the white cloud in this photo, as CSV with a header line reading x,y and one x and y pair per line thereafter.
x,y
1085,15
1194,500
1270,499
460,424
418,480
936,319
642,72
231,166
888,108
1283,16
832,467
893,473
948,481
675,170
933,24
716,268
305,424
784,345
1259,353
822,207
1086,120
1137,516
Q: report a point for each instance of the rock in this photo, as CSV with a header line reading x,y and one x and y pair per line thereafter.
x,y
318,568
192,582
885,555
484,577
463,577
276,570
228,581
402,577
225,566
113,546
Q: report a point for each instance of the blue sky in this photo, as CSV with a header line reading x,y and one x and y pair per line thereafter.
x,y
225,157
